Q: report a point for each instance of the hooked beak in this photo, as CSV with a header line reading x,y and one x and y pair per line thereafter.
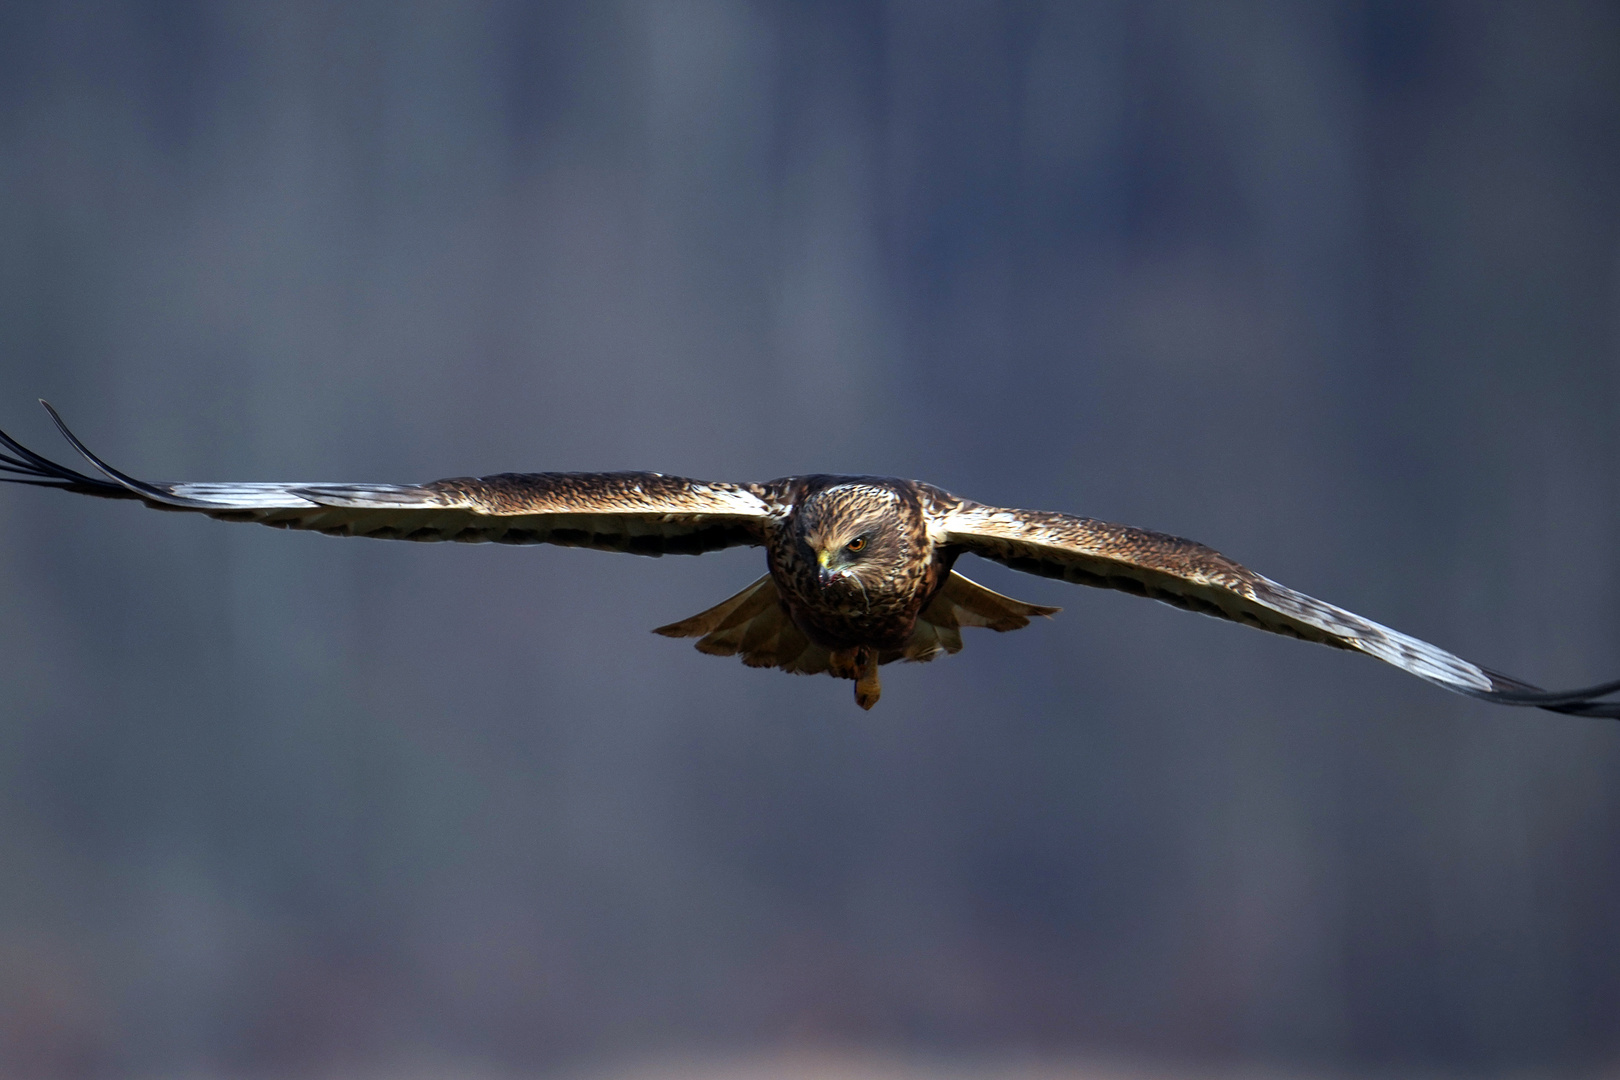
x,y
826,574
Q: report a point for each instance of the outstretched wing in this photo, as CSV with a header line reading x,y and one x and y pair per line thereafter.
x,y
642,513
1192,576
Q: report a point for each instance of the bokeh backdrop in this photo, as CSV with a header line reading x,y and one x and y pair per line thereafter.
x,y
1330,286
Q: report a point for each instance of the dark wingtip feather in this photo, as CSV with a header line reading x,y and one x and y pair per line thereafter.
x,y
1506,690
138,488
38,471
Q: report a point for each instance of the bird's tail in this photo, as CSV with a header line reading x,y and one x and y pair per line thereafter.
x,y
754,625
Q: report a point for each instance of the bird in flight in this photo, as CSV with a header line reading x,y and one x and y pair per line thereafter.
x,y
860,568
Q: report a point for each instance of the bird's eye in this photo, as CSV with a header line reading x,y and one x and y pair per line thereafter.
x,y
855,544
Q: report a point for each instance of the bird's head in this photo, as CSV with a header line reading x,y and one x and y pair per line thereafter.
x,y
853,533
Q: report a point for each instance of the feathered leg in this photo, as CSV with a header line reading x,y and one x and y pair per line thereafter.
x,y
861,665
868,688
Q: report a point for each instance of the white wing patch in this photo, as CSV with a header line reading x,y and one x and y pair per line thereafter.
x,y
1429,662
252,496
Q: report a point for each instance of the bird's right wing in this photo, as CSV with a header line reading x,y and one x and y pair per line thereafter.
x,y
641,513
1189,575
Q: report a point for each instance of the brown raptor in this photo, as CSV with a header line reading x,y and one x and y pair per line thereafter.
x,y
860,568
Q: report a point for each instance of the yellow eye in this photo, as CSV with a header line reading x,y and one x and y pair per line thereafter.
x,y
855,544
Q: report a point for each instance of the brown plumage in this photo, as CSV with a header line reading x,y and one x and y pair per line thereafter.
x,y
861,568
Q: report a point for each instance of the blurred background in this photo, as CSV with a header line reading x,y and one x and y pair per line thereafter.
x,y
1329,286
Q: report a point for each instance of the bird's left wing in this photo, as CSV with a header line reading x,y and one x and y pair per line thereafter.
x,y
642,513
1190,575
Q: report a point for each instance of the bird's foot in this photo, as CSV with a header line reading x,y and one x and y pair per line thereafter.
x,y
868,688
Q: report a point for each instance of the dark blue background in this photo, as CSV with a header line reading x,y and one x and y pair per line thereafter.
x,y
1330,286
